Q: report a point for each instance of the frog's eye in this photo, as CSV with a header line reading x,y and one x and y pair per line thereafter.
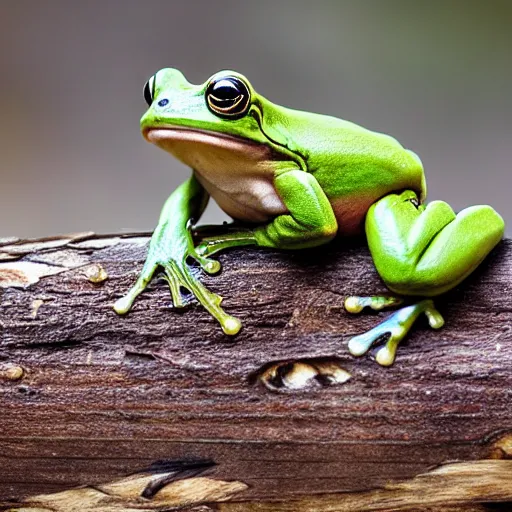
x,y
228,97
149,90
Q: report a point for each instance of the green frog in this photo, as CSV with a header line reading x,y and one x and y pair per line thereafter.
x,y
295,180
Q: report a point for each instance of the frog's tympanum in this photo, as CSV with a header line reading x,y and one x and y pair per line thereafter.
x,y
294,180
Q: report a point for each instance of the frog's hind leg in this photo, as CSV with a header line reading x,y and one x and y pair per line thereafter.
x,y
421,251
394,328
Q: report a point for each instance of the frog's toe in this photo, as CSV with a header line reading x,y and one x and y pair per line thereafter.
x,y
200,253
209,265
125,303
384,355
355,304
205,249
211,245
394,329
231,325
179,276
174,287
359,345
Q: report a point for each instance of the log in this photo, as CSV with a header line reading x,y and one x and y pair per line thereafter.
x,y
159,409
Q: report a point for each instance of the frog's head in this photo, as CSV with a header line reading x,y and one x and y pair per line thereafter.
x,y
215,121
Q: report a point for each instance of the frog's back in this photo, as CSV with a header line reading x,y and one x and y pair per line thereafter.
x,y
355,166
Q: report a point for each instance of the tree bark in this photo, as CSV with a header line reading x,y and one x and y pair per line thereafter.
x,y
88,398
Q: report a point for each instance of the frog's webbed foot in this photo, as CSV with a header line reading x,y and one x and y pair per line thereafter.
x,y
394,328
172,259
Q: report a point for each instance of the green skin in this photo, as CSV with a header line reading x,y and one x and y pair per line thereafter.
x,y
295,180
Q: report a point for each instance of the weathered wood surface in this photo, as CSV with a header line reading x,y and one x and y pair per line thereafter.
x,y
102,396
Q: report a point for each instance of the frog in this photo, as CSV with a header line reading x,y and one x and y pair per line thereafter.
x,y
294,180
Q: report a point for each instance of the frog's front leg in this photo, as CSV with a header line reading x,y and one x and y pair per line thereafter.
x,y
422,251
170,246
310,220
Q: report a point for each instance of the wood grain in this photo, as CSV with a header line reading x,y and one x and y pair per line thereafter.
x,y
101,396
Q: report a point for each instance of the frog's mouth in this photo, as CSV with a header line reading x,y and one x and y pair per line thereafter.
x,y
188,144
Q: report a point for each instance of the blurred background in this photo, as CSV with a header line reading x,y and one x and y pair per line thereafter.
x,y
437,75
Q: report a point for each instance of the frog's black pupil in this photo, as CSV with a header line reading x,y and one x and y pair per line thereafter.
x,y
163,102
225,90
147,94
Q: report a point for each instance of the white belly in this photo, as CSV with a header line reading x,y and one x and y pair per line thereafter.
x,y
247,198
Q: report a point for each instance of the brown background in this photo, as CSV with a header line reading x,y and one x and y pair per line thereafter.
x,y
435,74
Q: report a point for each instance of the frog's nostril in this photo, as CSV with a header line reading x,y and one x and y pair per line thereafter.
x,y
163,103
